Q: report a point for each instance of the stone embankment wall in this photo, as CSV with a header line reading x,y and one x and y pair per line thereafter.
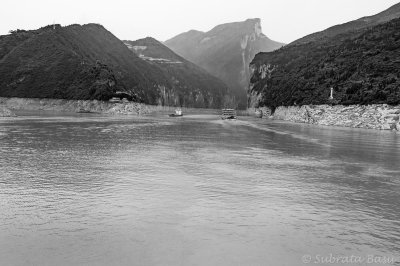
x,y
379,116
266,112
94,106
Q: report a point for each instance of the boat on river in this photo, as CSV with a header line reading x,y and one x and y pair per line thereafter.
x,y
178,113
229,114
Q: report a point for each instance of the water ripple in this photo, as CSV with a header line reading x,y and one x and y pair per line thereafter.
x,y
92,190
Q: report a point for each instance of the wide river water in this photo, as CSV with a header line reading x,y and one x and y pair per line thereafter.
x,y
98,190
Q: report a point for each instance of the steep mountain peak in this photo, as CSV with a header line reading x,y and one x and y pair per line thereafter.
x,y
255,23
248,26
226,51
253,20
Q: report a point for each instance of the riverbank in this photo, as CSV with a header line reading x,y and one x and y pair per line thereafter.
x,y
88,106
377,116
5,112
60,105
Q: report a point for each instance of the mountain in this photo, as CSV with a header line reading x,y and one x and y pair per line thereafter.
x,y
184,74
225,51
359,24
360,60
88,62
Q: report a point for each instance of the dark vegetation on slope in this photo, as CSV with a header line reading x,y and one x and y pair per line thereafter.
x,y
363,67
74,62
185,75
81,62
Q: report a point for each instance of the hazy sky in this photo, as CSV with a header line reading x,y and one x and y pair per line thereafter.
x,y
282,20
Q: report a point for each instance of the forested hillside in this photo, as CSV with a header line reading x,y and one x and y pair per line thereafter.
x,y
86,62
362,66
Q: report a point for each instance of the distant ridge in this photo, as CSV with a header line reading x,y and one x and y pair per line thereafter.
x,y
186,75
225,51
362,23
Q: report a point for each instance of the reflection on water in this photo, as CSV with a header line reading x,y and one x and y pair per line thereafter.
x,y
91,190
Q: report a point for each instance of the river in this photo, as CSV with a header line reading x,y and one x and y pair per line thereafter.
x,y
100,190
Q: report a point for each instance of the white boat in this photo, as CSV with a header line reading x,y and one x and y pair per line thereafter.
x,y
178,112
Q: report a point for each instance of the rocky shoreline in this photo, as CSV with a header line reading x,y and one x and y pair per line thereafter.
x,y
5,112
376,116
77,106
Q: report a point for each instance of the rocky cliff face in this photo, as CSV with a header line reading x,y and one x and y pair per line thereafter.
x,y
359,60
382,116
204,89
225,51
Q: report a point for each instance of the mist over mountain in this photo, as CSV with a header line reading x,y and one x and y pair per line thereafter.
x,y
88,62
225,51
360,60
